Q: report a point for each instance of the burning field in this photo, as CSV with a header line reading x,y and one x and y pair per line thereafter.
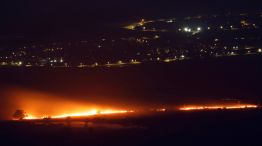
x,y
32,105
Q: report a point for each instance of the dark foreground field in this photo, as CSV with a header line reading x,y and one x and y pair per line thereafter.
x,y
237,127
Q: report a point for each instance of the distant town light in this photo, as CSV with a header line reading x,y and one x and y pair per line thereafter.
x,y
167,60
141,23
134,61
186,29
199,29
156,37
20,63
170,21
120,62
259,50
232,53
4,63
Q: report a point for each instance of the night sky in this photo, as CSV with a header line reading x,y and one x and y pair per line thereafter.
x,y
20,18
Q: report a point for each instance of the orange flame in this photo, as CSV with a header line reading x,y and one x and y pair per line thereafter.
x,y
216,107
83,114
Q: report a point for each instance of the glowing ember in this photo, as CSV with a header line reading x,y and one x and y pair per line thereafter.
x,y
216,107
83,114
161,110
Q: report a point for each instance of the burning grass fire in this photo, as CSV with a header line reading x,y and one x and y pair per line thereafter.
x,y
184,108
217,107
81,114
30,105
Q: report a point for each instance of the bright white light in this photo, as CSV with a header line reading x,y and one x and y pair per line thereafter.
x,y
199,29
167,60
20,63
156,37
233,53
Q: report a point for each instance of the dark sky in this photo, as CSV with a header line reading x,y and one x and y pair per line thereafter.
x,y
22,17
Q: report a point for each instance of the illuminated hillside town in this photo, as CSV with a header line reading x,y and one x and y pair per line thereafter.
x,y
147,41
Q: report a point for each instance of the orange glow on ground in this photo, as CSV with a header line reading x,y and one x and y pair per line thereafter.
x,y
216,107
83,114
39,105
30,117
